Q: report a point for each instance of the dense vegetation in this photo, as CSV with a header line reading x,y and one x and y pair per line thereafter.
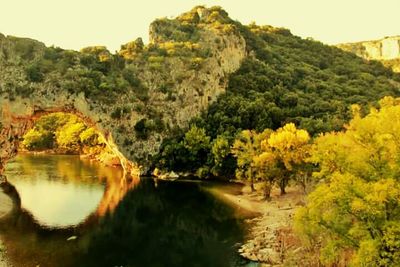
x,y
105,77
94,71
285,79
354,213
63,133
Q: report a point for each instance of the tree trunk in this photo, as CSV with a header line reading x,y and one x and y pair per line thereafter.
x,y
252,185
282,186
251,181
267,191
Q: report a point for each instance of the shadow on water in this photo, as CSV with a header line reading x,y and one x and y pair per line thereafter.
x,y
173,224
155,224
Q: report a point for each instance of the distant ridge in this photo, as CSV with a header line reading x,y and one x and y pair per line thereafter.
x,y
386,50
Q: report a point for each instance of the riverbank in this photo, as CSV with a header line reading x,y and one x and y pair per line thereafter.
x,y
270,239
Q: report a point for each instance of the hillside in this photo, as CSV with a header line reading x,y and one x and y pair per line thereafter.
x,y
199,68
386,50
284,79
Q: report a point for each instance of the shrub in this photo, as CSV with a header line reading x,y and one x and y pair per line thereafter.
x,y
34,73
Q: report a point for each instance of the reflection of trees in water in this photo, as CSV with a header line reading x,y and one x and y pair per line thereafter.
x,y
66,168
69,169
30,244
172,225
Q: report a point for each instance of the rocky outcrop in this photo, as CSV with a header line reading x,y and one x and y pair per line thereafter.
x,y
183,69
386,50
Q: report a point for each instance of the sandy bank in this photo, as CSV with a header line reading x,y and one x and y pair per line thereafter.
x,y
270,233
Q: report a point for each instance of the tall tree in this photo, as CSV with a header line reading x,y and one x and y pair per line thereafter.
x,y
284,150
197,145
355,211
246,148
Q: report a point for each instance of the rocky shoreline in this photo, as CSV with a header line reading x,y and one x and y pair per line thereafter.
x,y
270,238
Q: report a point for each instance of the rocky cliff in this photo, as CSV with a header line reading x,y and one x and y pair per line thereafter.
x,y
136,97
386,50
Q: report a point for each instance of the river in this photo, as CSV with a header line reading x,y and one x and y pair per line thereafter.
x,y
73,212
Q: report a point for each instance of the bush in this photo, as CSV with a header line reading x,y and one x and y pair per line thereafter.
x,y
141,129
34,73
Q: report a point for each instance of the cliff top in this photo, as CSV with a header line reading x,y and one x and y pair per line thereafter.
x,y
394,37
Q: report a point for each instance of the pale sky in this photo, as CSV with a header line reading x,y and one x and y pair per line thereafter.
x,y
73,24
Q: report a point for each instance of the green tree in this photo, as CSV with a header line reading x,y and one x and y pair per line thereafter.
x,y
220,150
197,144
246,147
38,140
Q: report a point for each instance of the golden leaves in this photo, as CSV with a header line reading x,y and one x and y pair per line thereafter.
x,y
360,197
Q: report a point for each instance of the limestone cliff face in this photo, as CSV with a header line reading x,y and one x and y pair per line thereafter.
x,y
183,69
386,50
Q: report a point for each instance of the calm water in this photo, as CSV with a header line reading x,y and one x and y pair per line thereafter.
x,y
113,223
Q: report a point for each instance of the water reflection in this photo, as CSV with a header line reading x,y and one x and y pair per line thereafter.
x,y
62,191
171,224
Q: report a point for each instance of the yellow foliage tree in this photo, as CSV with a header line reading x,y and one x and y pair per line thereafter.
x,y
271,156
283,151
355,211
68,136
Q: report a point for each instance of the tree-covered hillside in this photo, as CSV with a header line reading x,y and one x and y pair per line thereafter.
x,y
284,79
289,79
242,77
